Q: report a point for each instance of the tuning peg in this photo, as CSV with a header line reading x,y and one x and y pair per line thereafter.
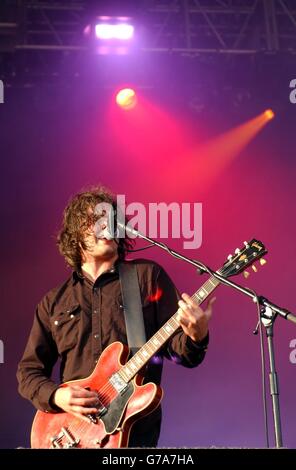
x,y
237,251
262,261
246,244
254,268
246,274
229,257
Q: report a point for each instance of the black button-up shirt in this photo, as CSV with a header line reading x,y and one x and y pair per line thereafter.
x,y
78,320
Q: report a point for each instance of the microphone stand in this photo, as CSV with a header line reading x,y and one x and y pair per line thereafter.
x,y
268,313
268,317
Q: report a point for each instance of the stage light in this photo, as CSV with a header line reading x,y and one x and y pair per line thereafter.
x,y
111,35
126,98
120,31
269,114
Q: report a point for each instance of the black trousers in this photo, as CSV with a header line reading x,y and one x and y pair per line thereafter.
x,y
144,436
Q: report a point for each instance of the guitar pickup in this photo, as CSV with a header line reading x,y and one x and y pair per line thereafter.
x,y
118,383
101,410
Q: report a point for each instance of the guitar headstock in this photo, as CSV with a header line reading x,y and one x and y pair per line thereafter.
x,y
243,258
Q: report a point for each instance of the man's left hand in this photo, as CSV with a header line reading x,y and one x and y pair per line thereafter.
x,y
193,319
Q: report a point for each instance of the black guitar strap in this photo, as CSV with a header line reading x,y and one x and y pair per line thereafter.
x,y
132,305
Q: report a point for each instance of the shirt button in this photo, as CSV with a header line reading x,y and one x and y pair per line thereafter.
x,y
96,336
56,322
95,311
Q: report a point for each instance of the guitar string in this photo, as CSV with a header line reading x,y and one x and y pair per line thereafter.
x,y
108,388
210,284
209,287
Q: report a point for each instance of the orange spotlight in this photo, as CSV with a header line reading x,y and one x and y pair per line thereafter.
x,y
269,114
211,158
126,98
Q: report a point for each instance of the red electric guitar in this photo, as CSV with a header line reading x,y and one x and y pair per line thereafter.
x,y
123,398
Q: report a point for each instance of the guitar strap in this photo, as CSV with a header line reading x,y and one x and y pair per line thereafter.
x,y
132,305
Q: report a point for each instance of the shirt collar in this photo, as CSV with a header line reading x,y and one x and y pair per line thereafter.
x,y
78,276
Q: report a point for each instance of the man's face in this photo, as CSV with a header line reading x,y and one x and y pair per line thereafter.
x,y
97,245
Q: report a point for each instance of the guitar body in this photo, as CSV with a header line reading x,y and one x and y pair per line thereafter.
x,y
111,427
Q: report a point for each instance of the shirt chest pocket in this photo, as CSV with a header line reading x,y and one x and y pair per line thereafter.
x,y
65,323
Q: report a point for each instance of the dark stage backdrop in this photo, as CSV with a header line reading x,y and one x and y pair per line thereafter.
x,y
59,138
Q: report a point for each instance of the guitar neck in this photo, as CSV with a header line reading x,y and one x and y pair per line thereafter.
x,y
144,354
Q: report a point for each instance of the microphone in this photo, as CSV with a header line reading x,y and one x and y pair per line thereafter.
x,y
114,224
107,234
117,226
104,226
122,227
111,228
114,221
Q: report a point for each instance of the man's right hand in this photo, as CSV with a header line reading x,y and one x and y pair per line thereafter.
x,y
76,400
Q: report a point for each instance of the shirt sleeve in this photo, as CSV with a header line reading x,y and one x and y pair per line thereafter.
x,y
180,348
39,358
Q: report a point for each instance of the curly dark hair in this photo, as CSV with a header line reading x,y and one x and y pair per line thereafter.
x,y
70,239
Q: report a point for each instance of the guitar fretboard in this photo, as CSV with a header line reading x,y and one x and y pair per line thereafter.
x,y
144,354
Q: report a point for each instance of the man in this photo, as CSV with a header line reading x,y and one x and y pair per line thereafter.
x,y
78,320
